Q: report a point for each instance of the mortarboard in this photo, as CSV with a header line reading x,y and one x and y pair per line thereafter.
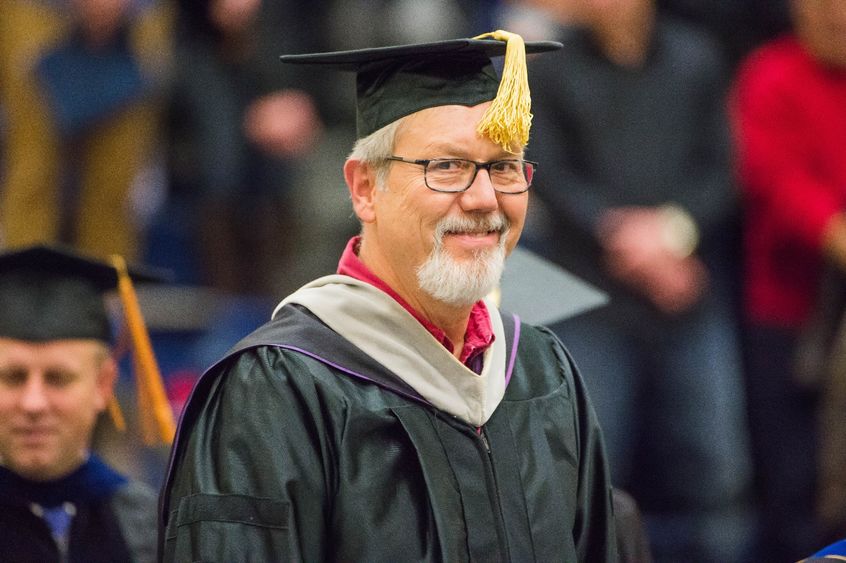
x,y
395,81
52,293
542,292
55,293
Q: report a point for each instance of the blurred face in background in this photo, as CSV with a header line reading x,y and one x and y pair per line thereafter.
x,y
821,26
50,396
563,11
617,15
234,17
100,20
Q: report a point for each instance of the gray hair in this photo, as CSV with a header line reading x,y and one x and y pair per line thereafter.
x,y
375,148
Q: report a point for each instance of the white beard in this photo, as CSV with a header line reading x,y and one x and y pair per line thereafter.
x,y
463,282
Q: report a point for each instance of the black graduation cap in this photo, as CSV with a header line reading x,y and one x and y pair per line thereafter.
x,y
528,275
395,81
55,293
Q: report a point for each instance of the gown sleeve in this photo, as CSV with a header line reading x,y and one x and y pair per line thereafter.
x,y
594,530
252,482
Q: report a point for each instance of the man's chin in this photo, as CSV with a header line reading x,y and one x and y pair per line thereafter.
x,y
38,466
461,282
35,471
465,255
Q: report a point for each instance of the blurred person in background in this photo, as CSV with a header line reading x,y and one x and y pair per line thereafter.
x,y
80,84
637,192
739,25
789,107
240,126
59,501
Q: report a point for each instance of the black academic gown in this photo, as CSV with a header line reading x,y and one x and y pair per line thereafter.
x,y
112,522
297,447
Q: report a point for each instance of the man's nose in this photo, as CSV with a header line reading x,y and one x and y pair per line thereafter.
x,y
481,195
34,396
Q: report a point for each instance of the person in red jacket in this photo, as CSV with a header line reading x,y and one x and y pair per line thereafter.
x,y
789,107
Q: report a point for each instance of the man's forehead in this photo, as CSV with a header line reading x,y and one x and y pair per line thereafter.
x,y
63,351
437,129
428,116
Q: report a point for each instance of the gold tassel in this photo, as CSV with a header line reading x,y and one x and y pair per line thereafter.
x,y
116,414
509,118
156,416
145,404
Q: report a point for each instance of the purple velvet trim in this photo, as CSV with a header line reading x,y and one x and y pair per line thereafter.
x,y
514,345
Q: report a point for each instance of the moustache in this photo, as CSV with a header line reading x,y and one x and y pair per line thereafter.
x,y
495,222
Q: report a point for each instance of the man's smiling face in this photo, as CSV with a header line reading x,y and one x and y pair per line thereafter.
x,y
470,231
50,396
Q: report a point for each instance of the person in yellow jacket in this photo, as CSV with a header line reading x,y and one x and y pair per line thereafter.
x,y
78,89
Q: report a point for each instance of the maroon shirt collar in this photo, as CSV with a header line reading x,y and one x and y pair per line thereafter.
x,y
479,335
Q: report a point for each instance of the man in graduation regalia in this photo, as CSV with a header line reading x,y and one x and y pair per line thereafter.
x,y
59,502
391,412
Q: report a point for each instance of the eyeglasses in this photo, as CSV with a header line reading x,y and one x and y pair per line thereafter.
x,y
455,175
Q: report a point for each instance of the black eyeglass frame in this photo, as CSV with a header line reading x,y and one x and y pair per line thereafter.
x,y
424,162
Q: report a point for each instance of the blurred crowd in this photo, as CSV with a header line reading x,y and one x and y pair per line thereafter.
x,y
690,166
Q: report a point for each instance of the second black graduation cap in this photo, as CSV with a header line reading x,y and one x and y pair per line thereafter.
x,y
395,81
542,292
53,293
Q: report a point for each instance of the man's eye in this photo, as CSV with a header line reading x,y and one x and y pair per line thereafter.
x,y
448,165
11,376
506,167
58,378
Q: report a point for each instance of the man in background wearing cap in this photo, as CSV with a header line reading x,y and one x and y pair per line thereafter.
x,y
390,412
59,501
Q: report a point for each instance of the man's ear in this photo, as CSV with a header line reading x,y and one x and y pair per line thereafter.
x,y
106,377
361,181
